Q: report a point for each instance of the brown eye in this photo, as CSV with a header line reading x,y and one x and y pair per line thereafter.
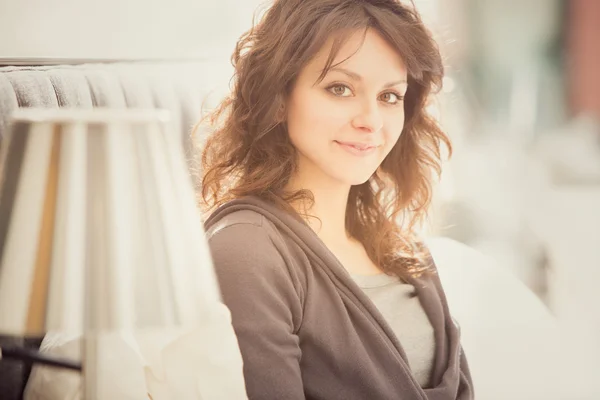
x,y
340,90
391,98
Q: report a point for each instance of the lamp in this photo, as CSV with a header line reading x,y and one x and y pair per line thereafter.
x,y
99,231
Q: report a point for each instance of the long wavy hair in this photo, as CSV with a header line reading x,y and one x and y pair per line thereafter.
x,y
248,151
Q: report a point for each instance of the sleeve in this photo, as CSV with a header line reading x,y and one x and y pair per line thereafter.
x,y
265,308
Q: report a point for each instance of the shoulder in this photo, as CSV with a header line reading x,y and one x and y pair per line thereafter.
x,y
244,228
246,242
243,236
243,220
250,261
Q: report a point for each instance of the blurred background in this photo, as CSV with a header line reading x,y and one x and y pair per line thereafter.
x,y
521,102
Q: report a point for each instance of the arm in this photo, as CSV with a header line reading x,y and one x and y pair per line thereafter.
x,y
265,310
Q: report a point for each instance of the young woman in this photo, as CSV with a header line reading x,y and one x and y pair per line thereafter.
x,y
317,172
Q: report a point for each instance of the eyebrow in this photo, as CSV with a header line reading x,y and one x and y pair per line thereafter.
x,y
357,77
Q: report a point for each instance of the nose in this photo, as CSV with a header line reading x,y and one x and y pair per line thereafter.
x,y
368,119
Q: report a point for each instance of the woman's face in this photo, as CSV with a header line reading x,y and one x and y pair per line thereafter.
x,y
344,126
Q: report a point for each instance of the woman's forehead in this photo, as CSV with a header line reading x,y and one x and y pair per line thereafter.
x,y
361,50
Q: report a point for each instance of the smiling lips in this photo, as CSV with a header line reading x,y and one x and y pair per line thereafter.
x,y
357,148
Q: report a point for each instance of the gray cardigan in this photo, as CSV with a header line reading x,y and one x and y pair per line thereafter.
x,y
305,329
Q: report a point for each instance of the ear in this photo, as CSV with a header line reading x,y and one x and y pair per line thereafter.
x,y
281,113
280,116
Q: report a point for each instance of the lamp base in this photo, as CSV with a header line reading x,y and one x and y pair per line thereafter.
x,y
15,373
34,356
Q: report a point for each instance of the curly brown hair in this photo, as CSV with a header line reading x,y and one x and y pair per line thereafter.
x,y
249,152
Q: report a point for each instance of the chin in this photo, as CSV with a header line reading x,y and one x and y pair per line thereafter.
x,y
355,179
358,182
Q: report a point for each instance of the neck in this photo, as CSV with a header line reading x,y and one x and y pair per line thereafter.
x,y
329,207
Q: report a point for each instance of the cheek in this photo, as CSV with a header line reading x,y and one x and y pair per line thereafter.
x,y
312,118
393,130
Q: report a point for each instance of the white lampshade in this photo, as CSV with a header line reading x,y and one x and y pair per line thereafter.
x,y
101,240
99,230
